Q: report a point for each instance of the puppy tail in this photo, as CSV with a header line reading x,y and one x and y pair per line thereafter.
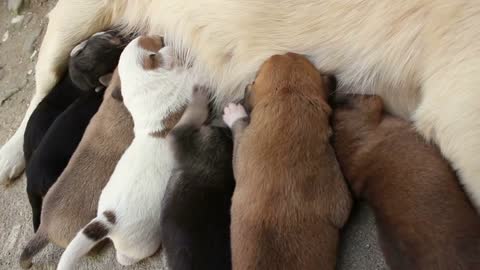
x,y
38,242
94,232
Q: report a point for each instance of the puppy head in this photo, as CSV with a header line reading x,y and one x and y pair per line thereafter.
x,y
113,85
358,110
288,73
94,58
145,65
354,119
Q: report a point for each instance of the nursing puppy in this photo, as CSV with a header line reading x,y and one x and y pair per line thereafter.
x,y
130,204
424,219
56,148
196,208
427,51
89,60
72,201
290,199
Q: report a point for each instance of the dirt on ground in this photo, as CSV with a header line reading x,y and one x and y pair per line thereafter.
x,y
20,38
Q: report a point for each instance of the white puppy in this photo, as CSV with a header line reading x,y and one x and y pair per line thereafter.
x,y
130,204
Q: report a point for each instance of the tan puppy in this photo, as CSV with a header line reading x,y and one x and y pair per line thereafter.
x,y
72,201
424,219
290,198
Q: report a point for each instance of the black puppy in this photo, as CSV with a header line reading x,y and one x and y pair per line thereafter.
x,y
89,60
89,65
196,207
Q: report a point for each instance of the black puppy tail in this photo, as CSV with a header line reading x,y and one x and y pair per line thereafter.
x,y
36,204
38,242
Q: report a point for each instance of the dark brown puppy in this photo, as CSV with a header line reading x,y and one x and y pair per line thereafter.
x,y
424,219
290,198
72,201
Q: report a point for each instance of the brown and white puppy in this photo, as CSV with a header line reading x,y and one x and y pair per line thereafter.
x,y
424,219
290,199
72,201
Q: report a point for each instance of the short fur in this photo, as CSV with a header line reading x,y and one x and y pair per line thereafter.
x,y
72,201
135,191
421,56
90,60
424,218
290,199
96,57
196,208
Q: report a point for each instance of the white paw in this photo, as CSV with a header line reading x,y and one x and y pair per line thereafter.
x,y
125,260
232,113
12,161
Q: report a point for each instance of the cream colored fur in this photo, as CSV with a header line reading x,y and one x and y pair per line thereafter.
x,y
413,53
135,191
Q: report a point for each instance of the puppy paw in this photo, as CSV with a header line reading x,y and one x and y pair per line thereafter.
x,y
12,161
200,95
125,260
232,113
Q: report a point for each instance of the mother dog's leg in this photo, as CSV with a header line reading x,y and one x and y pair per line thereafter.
x,y
449,114
70,22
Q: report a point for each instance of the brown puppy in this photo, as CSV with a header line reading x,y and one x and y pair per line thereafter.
x,y
290,198
72,201
424,219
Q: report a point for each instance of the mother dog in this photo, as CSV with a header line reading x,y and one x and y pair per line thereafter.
x,y
421,56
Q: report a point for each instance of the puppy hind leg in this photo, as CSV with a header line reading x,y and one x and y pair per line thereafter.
x,y
182,136
197,111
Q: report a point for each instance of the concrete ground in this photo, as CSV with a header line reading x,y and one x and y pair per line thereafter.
x,y
359,249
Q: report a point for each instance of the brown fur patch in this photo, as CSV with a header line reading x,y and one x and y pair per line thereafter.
x,y
151,43
169,123
152,61
72,202
95,231
110,216
424,218
286,190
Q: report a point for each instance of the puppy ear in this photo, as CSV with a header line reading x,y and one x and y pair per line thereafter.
x,y
105,79
151,61
330,81
77,49
117,94
98,33
374,103
246,98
